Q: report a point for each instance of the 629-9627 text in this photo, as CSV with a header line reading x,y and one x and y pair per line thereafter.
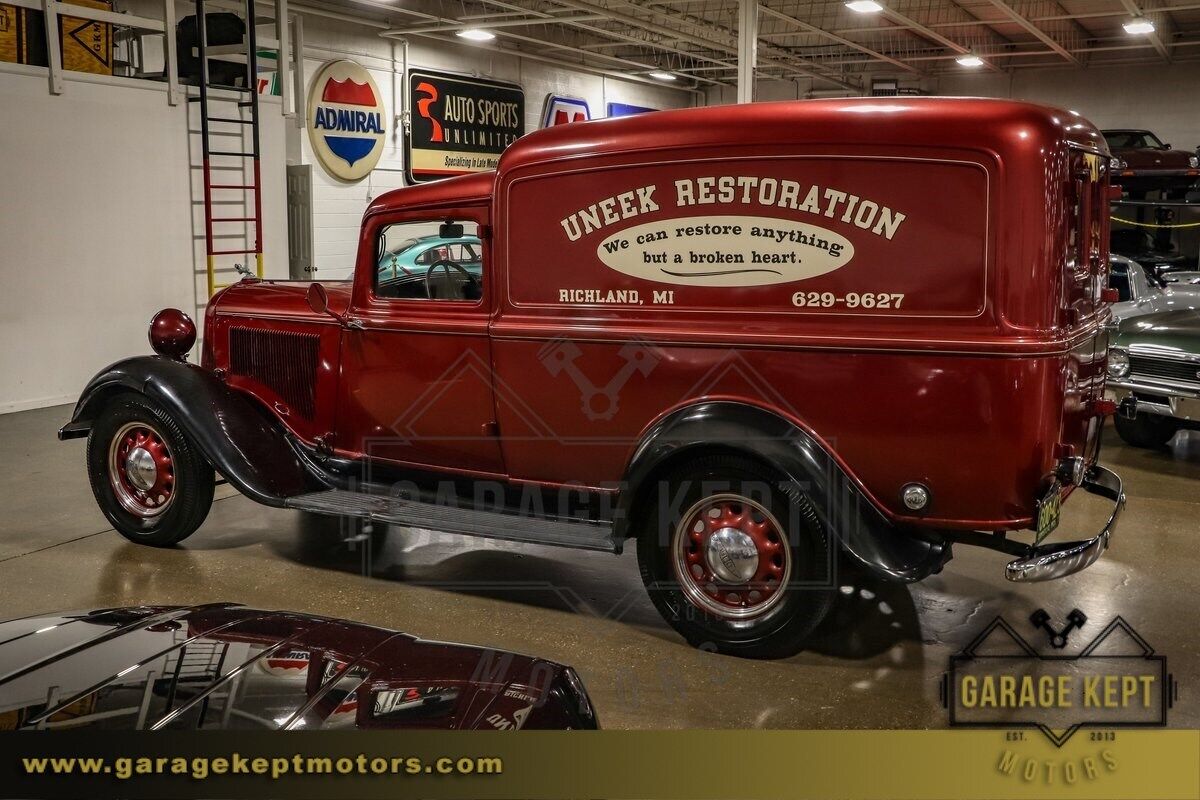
x,y
869,300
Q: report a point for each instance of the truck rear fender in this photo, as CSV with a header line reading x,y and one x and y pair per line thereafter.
x,y
237,437
862,531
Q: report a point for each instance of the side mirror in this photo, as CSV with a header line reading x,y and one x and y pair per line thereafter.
x,y
450,230
1166,147
318,301
318,298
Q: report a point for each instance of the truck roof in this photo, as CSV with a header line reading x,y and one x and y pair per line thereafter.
x,y
928,121
958,122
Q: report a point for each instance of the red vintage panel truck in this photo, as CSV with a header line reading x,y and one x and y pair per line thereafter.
x,y
756,339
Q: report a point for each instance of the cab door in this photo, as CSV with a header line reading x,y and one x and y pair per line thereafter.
x,y
416,386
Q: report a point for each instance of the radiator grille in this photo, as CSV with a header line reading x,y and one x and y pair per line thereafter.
x,y
1165,368
284,362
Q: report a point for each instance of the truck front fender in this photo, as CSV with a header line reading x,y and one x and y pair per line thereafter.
x,y
861,530
236,436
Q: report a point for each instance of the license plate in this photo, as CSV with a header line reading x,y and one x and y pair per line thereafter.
x,y
1049,509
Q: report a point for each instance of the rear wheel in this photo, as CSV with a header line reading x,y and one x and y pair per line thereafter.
x,y
148,478
1146,430
734,557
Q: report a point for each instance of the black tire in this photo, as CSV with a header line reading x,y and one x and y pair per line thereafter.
x,y
1146,430
187,482
802,599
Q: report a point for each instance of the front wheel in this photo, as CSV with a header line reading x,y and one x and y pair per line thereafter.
x,y
734,557
1146,430
149,480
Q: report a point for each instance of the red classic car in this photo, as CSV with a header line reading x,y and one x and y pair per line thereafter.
x,y
1141,163
755,339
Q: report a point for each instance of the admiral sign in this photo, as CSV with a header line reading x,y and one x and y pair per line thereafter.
x,y
460,125
346,120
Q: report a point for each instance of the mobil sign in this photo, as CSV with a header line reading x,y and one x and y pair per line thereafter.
x,y
560,110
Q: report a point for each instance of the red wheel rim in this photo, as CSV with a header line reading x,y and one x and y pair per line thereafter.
x,y
141,470
731,557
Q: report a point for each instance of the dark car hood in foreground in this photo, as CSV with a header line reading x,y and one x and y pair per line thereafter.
x,y
1177,330
225,666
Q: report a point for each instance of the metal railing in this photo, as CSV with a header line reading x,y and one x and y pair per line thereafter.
x,y
287,43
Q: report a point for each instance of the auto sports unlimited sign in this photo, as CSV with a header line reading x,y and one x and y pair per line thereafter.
x,y
459,124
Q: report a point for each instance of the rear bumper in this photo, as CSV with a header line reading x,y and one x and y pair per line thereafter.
x,y
1059,560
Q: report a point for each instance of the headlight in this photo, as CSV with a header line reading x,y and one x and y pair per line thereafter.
x,y
1118,364
1193,162
1114,163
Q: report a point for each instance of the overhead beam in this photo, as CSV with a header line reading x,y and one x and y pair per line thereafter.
x,y
1155,40
808,68
804,26
506,23
1038,33
931,34
792,64
562,62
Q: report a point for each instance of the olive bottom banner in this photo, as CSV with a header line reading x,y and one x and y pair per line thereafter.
x,y
693,764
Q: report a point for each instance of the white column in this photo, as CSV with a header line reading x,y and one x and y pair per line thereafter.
x,y
747,49
283,58
53,45
170,57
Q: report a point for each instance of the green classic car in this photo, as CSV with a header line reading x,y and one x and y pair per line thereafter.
x,y
445,266
1154,376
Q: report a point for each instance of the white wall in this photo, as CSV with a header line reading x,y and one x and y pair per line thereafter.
x,y
1160,97
96,229
100,220
338,207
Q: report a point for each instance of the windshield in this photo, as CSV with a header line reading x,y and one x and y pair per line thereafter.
x,y
1132,139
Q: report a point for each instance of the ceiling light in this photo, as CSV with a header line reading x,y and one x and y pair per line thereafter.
x,y
660,75
864,6
476,35
969,60
1139,25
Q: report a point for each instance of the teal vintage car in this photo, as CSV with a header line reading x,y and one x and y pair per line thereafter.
x,y
431,266
1154,376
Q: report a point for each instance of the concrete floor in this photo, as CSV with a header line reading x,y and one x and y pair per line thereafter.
x,y
876,664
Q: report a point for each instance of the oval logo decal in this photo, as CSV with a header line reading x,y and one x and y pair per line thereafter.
x,y
346,124
725,251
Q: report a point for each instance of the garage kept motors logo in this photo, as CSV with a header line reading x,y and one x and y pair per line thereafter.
x,y
346,120
1001,680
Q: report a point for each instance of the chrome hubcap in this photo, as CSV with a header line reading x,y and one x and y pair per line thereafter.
x,y
731,555
139,466
731,558
141,470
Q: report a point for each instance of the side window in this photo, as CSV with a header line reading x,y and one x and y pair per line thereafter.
x,y
437,259
1120,281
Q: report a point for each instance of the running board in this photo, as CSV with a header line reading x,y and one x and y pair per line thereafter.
x,y
583,534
